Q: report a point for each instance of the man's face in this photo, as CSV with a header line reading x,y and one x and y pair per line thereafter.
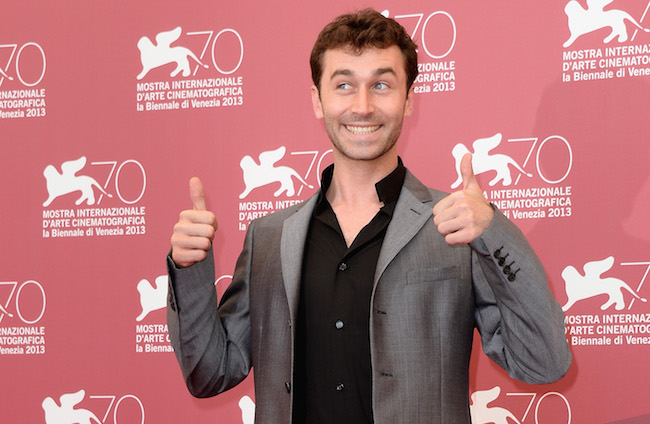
x,y
363,101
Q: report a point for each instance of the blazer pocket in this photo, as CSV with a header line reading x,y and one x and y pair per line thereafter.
x,y
432,275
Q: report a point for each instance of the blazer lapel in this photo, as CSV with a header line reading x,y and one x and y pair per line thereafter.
x,y
414,207
292,246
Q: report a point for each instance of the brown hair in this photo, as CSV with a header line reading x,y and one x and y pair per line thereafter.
x,y
358,31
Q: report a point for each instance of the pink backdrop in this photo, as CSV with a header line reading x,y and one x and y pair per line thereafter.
x,y
99,139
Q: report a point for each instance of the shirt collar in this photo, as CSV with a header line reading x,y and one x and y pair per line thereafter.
x,y
388,188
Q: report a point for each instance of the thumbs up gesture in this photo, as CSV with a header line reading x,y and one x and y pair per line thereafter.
x,y
193,233
466,214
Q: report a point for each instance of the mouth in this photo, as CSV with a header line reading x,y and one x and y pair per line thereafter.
x,y
357,130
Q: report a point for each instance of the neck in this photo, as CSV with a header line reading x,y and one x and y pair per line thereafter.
x,y
353,182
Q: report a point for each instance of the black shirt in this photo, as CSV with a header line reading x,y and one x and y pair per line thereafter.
x,y
332,374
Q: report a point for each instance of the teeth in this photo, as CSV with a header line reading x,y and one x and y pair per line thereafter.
x,y
362,130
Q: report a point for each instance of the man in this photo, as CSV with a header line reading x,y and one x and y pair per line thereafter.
x,y
359,305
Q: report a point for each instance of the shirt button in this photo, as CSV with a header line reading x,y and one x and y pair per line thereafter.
x,y
343,266
340,387
339,324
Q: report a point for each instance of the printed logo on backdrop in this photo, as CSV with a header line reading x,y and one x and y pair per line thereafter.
x,y
435,35
94,200
22,307
191,70
151,332
247,407
606,43
152,337
75,408
277,180
527,176
605,303
549,408
22,69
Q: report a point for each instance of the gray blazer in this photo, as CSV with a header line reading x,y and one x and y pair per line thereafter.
x,y
427,299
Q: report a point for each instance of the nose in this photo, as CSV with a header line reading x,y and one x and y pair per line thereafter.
x,y
362,103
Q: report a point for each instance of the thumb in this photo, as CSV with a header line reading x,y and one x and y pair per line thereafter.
x,y
197,194
467,173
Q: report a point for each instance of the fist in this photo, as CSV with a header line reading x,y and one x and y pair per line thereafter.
x,y
464,215
193,233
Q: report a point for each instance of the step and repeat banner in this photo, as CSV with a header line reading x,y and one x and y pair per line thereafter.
x,y
108,108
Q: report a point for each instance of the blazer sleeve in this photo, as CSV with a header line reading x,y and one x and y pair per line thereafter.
x,y
520,323
212,342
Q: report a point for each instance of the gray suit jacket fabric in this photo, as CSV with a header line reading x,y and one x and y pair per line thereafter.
x,y
427,299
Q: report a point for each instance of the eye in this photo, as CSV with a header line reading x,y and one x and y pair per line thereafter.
x,y
344,86
381,86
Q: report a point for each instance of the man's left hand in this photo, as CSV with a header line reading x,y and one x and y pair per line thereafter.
x,y
464,215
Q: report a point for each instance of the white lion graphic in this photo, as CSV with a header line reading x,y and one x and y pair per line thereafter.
x,y
266,173
159,54
247,407
152,297
583,21
66,414
579,287
483,161
482,414
67,182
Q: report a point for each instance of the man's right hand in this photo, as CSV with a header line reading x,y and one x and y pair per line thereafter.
x,y
193,233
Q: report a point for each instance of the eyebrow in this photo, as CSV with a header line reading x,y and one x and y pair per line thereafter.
x,y
377,72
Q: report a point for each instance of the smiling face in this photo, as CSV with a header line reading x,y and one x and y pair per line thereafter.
x,y
363,100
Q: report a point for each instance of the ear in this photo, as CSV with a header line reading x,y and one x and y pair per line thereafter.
x,y
408,106
316,103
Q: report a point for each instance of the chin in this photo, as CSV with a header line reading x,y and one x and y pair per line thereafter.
x,y
366,154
